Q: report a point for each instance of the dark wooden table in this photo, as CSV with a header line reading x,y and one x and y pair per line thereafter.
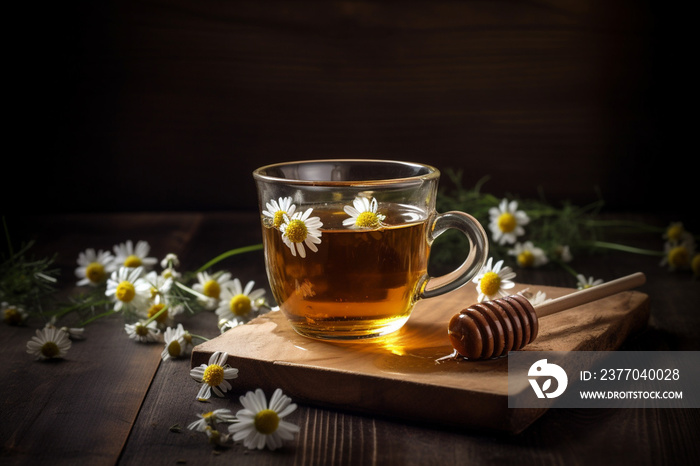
x,y
113,401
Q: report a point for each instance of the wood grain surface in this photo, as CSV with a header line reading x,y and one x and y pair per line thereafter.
x,y
112,402
387,375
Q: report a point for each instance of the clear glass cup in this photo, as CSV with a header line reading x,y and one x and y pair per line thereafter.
x,y
347,243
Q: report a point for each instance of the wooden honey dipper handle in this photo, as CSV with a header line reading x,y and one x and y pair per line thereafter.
x,y
491,329
588,295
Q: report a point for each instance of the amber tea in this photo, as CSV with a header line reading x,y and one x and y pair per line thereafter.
x,y
347,243
360,281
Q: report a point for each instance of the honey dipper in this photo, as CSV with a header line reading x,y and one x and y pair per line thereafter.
x,y
490,329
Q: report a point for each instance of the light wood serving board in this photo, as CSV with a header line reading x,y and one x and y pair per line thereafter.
x,y
397,376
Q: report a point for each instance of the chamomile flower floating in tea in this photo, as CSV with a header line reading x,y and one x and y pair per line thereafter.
x,y
128,255
260,425
211,286
142,332
527,255
128,289
493,280
13,315
239,304
507,222
363,213
300,229
276,210
210,419
214,376
94,267
49,343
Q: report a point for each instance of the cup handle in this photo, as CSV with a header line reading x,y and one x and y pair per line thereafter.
x,y
478,252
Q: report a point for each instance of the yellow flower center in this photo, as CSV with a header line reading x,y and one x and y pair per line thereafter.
x,y
95,272
490,283
526,259
367,219
12,316
187,337
678,257
213,375
278,218
675,232
208,415
212,289
240,305
155,309
506,222
126,291
141,330
296,231
50,349
266,421
132,261
174,349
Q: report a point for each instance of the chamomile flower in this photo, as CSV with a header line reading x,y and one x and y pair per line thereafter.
x,y
170,261
226,324
678,254
675,233
214,376
178,343
49,343
492,281
238,303
563,253
143,332
13,315
528,255
259,424
94,267
216,437
211,418
363,213
74,333
128,289
299,230
160,286
507,222
276,210
538,298
128,255
583,283
210,286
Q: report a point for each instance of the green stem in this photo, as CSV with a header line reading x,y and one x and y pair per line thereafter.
x,y
230,253
7,236
199,336
624,223
98,316
568,268
74,307
190,290
156,315
625,248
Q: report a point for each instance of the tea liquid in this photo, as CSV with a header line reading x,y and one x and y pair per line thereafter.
x,y
360,283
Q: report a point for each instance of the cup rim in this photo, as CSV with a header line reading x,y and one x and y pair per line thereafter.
x,y
432,173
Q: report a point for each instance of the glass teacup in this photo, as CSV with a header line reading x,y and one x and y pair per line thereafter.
x,y
347,243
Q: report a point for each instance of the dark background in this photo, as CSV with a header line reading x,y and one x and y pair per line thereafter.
x,y
171,104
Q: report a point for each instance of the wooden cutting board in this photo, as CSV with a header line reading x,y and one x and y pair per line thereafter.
x,y
399,376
